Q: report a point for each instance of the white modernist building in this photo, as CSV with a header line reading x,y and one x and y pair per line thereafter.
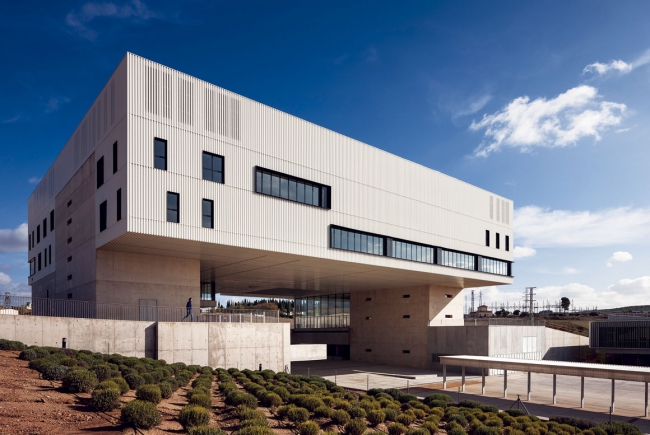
x,y
171,187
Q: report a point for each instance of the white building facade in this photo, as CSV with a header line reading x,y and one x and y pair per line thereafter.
x,y
171,187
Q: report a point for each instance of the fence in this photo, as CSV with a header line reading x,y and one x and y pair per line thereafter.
x,y
322,322
29,306
504,322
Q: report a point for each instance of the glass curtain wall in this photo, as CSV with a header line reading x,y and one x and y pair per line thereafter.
x,y
323,312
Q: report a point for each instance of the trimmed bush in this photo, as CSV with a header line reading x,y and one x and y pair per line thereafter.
x,y
106,398
149,393
166,390
376,417
55,372
515,412
11,345
308,428
457,431
357,412
122,385
396,429
340,417
203,400
486,430
619,427
199,390
298,415
107,384
405,419
323,412
355,427
205,430
271,400
391,414
282,392
28,355
79,381
134,381
193,415
148,379
431,426
102,371
140,414
255,430
417,431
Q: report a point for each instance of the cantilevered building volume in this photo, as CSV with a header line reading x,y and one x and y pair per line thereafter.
x,y
171,187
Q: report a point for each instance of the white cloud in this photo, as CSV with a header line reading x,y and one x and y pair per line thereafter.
x,y
34,180
371,54
620,257
14,240
55,103
626,292
561,121
617,65
15,288
569,271
542,228
523,252
11,120
136,10
474,106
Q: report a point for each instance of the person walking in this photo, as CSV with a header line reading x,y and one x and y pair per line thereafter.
x,y
190,313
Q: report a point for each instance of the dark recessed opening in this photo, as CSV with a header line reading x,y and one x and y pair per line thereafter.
x,y
69,295
69,203
368,299
69,277
69,221
406,296
406,316
449,316
69,240
406,351
448,296
368,350
368,318
69,258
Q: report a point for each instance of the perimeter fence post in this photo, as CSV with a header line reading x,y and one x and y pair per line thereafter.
x,y
444,377
582,391
554,388
505,383
462,383
483,381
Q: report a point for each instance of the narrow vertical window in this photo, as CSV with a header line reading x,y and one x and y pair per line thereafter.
x,y
33,243
38,234
212,167
507,243
115,157
45,257
52,220
487,237
160,154
100,172
29,241
102,216
44,227
173,214
49,254
497,241
39,261
207,210
119,204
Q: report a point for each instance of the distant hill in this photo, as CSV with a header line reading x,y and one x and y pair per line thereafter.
x,y
635,308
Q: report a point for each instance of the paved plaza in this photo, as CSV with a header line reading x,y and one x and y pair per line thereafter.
x,y
628,406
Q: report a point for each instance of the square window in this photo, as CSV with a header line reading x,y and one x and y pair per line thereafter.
x,y
212,167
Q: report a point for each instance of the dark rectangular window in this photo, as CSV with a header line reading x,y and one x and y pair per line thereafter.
x,y
69,258
33,240
69,240
160,154
352,240
70,294
45,257
102,216
69,277
268,182
100,172
173,207
406,316
29,241
44,227
49,255
212,167
208,291
455,259
406,296
69,203
69,221
497,241
507,243
119,204
38,234
32,266
490,265
39,261
207,210
409,251
52,220
406,351
487,237
115,157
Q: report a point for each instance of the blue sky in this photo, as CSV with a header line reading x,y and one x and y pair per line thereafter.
x,y
541,102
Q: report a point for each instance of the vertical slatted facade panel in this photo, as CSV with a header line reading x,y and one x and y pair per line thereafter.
x,y
372,190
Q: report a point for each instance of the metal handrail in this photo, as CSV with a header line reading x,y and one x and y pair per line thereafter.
x,y
27,305
504,322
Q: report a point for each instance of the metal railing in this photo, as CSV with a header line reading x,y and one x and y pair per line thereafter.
x,y
491,321
30,306
336,321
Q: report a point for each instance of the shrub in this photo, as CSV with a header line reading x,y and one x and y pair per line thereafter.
x,y
405,419
619,427
55,372
376,417
470,404
205,430
271,400
418,413
323,411
199,390
494,422
458,418
245,399
166,390
457,431
396,429
255,430
102,371
308,428
202,400
391,414
282,392
134,381
417,431
340,417
79,381
357,412
28,355
148,379
140,414
149,393
598,431
486,430
107,384
11,345
298,415
437,397
355,427
193,415
489,408
580,423
515,412
431,426
106,398
283,411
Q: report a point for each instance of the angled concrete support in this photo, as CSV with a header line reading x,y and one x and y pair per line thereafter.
x,y
462,382
444,377
554,388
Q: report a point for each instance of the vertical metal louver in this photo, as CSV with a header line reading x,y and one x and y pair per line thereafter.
x,y
498,210
167,95
209,110
504,205
185,101
491,207
222,114
105,119
112,102
234,104
151,90
100,116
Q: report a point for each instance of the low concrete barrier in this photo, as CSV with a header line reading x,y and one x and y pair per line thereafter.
x,y
308,352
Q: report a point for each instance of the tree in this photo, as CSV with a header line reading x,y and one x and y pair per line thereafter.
x,y
516,312
565,303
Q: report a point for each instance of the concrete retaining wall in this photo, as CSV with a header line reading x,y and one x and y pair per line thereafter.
x,y
564,346
308,352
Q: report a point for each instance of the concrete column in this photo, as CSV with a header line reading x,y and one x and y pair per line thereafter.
x,y
529,385
462,382
613,393
582,391
554,388
483,383
444,377
505,383
645,414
